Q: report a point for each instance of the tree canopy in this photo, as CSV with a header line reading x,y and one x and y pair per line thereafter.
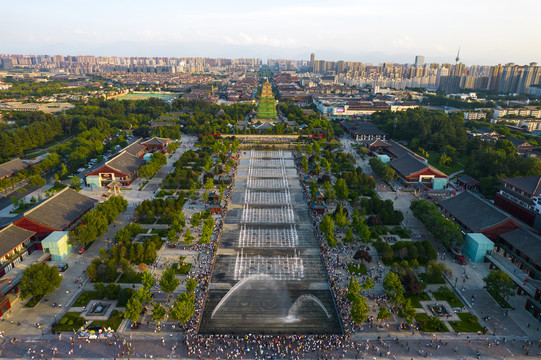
x,y
39,280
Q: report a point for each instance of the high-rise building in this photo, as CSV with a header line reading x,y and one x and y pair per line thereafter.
x,y
312,60
419,60
7,64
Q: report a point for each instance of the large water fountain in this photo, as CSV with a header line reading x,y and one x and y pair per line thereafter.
x,y
268,275
268,237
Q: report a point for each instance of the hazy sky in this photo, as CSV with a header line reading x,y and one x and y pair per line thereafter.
x,y
487,31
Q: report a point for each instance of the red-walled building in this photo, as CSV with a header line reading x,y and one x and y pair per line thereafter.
x,y
135,148
11,167
123,169
13,244
412,170
476,215
58,213
156,144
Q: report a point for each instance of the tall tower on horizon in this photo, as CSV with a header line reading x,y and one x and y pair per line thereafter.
x,y
419,60
458,55
312,61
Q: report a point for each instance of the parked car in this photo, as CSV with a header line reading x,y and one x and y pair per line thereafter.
x,y
82,250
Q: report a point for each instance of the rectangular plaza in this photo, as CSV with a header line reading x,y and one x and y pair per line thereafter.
x,y
268,276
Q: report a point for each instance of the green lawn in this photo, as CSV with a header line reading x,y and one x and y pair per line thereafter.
x,y
87,296
436,279
57,187
446,294
131,279
113,322
359,269
415,299
401,231
430,323
467,323
183,269
160,232
34,300
71,321
434,158
500,300
23,207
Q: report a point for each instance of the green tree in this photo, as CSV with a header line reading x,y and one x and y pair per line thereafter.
x,y
383,313
498,282
168,281
36,181
313,190
205,196
149,253
361,228
368,284
329,191
445,160
188,237
209,184
327,224
133,309
317,148
183,308
393,288
341,189
308,149
191,284
359,309
39,280
148,280
341,217
447,232
172,235
407,311
384,171
100,288
349,235
159,158
75,183
304,163
158,313
146,171
15,201
326,165
353,288
193,192
63,170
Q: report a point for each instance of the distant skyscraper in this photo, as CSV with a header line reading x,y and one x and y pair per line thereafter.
x,y
458,56
7,63
312,60
419,60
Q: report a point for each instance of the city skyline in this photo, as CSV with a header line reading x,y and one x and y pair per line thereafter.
x,y
486,32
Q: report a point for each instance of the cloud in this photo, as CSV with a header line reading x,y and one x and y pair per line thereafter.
x,y
243,39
